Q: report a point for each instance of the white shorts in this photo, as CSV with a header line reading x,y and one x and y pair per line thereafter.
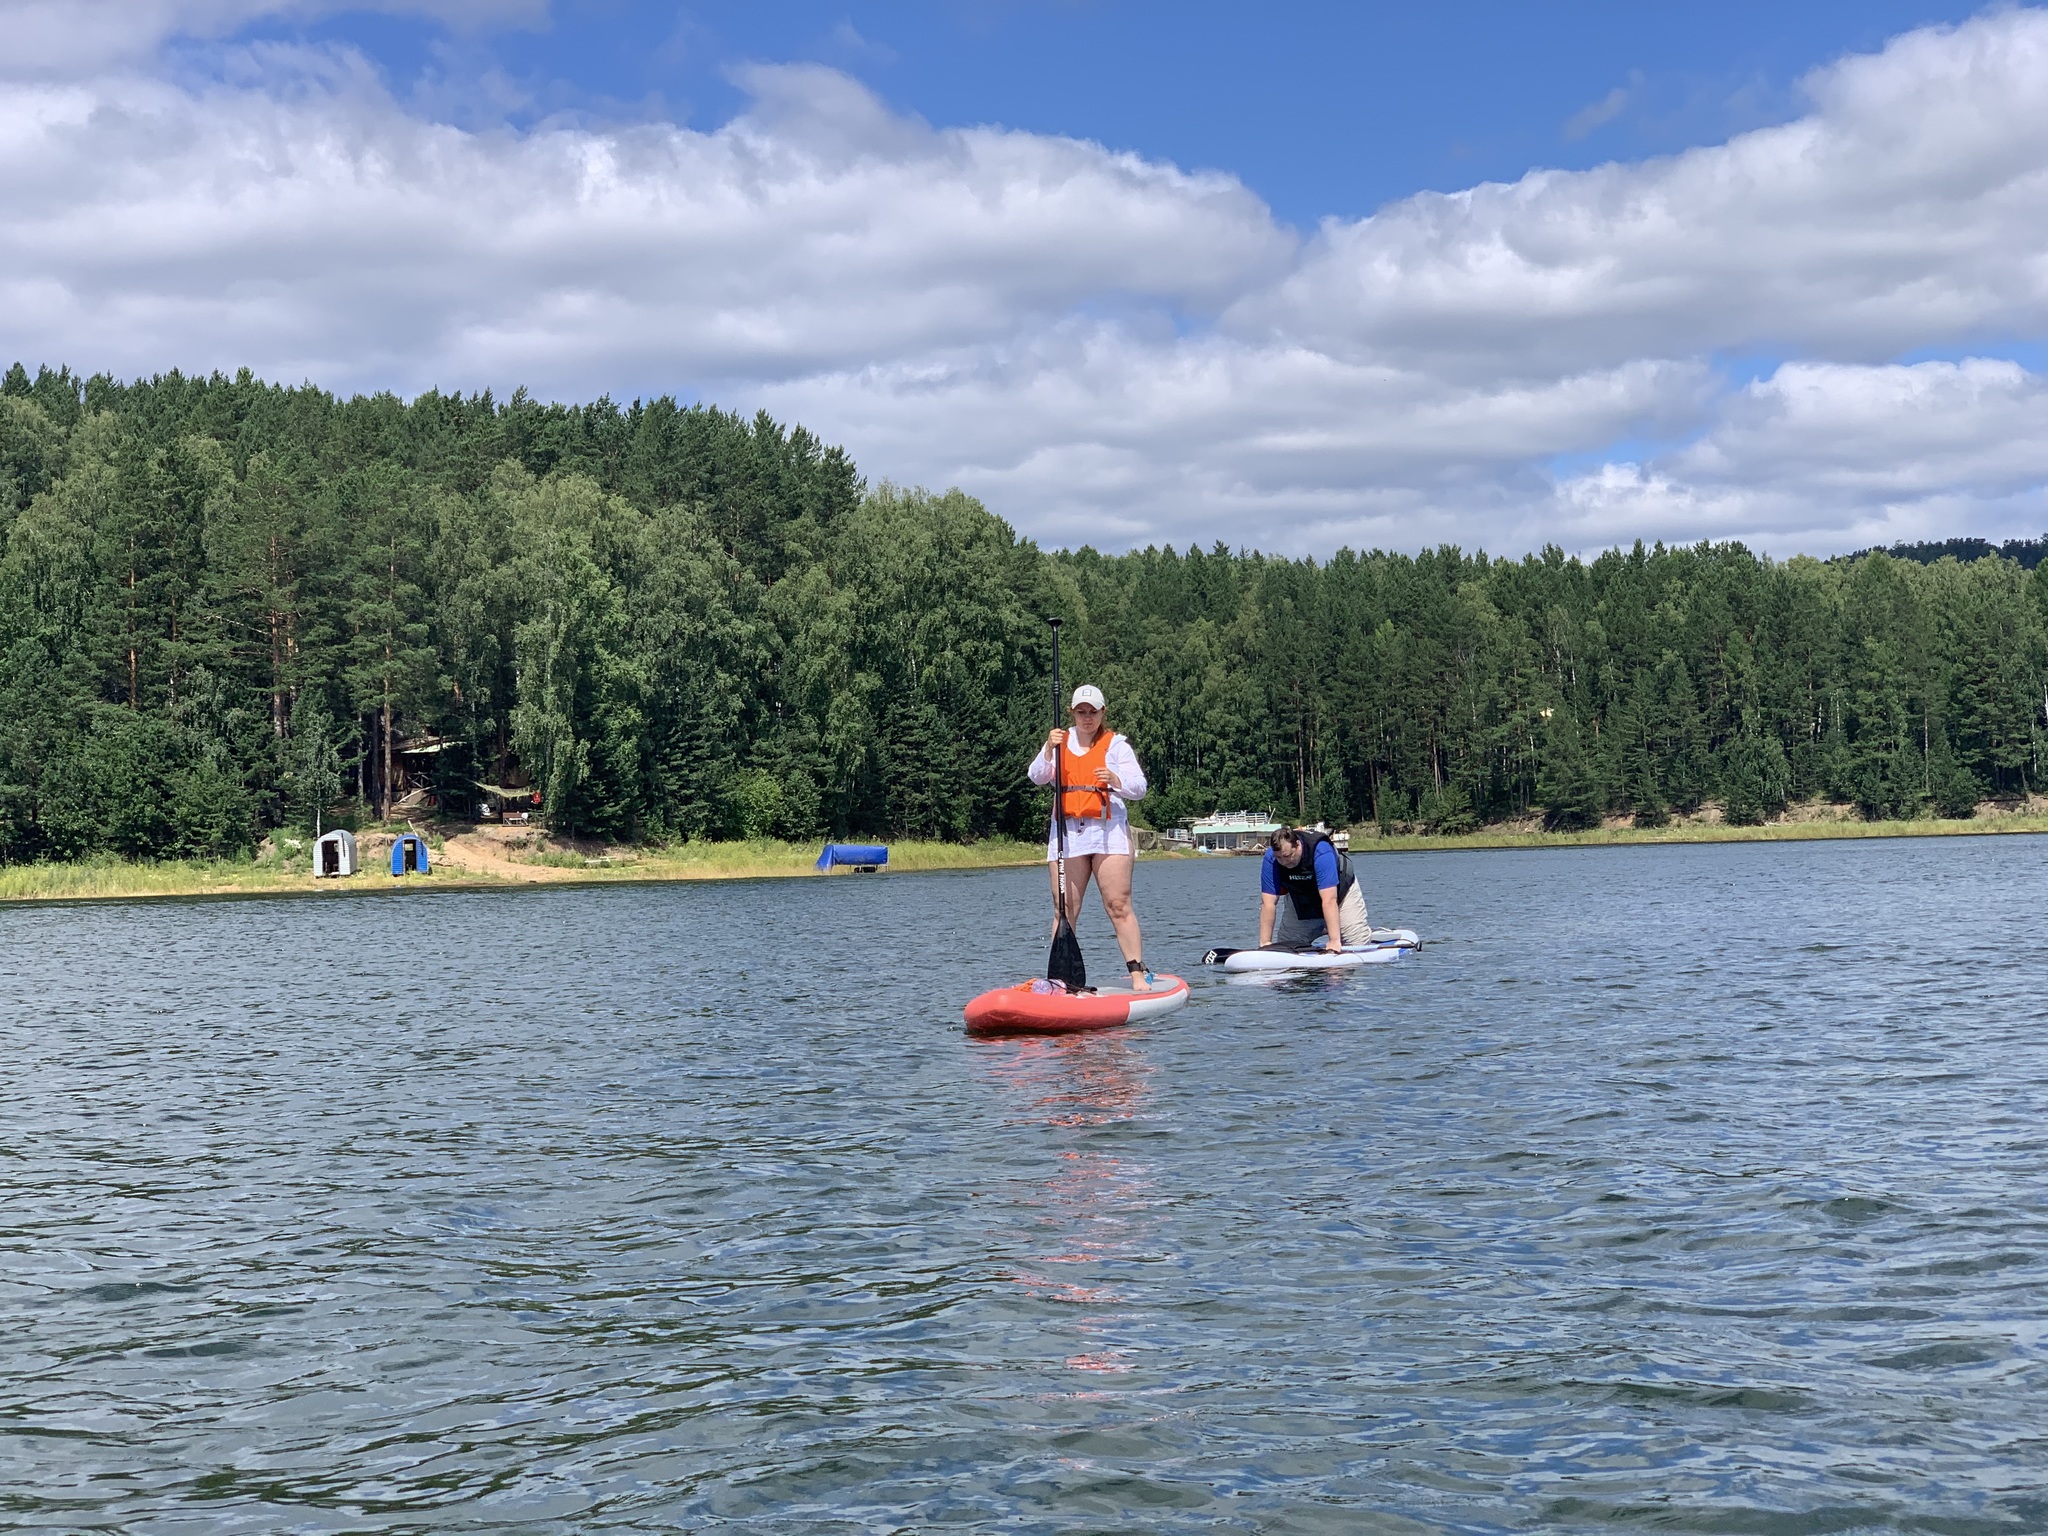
x,y
1091,835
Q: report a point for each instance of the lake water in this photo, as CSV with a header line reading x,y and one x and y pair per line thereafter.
x,y
1687,1189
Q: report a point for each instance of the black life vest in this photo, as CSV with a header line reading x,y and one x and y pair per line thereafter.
x,y
1300,881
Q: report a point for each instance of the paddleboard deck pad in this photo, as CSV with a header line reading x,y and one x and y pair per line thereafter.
x,y
1045,1008
1388,944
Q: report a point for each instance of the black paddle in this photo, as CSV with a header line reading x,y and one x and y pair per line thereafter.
x,y
1064,964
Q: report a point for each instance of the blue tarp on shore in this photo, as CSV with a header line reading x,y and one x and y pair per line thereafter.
x,y
860,855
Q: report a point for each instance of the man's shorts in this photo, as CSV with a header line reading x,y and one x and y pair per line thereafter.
x,y
1351,918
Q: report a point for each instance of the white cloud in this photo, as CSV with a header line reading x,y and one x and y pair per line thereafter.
x,y
1879,453
1106,347
1886,434
319,228
1905,211
1112,437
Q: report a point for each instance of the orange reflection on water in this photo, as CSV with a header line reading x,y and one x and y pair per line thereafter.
x,y
1111,1362
1072,1080
1094,1210
1060,1290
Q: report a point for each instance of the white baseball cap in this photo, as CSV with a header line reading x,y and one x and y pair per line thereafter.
x,y
1087,693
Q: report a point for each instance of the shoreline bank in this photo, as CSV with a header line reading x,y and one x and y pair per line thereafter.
x,y
1364,840
467,861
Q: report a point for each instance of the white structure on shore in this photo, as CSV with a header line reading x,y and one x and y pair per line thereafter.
x,y
334,856
1240,832
1233,831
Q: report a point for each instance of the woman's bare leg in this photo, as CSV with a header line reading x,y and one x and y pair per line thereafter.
x,y
1079,867
1113,880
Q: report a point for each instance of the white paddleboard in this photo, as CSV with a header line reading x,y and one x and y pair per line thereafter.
x,y
1388,944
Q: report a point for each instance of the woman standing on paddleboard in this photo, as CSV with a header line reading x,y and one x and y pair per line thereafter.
x,y
1100,774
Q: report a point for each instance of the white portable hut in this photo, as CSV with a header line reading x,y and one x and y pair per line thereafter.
x,y
334,854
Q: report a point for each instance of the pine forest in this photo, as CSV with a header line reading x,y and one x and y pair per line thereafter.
x,y
228,606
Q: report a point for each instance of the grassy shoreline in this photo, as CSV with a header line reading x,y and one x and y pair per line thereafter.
x,y
1363,839
112,879
109,879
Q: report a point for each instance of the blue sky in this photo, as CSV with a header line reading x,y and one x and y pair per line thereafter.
x,y
1296,277
1323,109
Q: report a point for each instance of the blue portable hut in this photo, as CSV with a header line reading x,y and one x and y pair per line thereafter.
x,y
865,857
409,855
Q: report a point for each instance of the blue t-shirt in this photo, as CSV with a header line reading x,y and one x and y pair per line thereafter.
x,y
1326,871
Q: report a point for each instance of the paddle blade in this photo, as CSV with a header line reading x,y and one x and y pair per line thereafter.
x,y
1065,964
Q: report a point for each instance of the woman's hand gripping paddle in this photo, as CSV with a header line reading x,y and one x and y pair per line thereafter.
x,y
1064,964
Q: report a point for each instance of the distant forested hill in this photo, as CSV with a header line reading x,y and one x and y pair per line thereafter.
x,y
226,605
2027,552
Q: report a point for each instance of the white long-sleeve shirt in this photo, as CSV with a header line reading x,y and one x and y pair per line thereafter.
x,y
1095,834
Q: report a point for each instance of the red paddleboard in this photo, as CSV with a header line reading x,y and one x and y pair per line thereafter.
x,y
1021,1010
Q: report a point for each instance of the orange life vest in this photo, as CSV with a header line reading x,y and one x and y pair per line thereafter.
x,y
1080,795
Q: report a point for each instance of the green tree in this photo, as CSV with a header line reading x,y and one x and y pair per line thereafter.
x,y
1566,783
392,669
577,723
312,777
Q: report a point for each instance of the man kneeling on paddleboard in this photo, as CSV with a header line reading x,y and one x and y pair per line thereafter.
x,y
1322,895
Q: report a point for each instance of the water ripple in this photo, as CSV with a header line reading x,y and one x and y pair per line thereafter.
x,y
1667,1188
